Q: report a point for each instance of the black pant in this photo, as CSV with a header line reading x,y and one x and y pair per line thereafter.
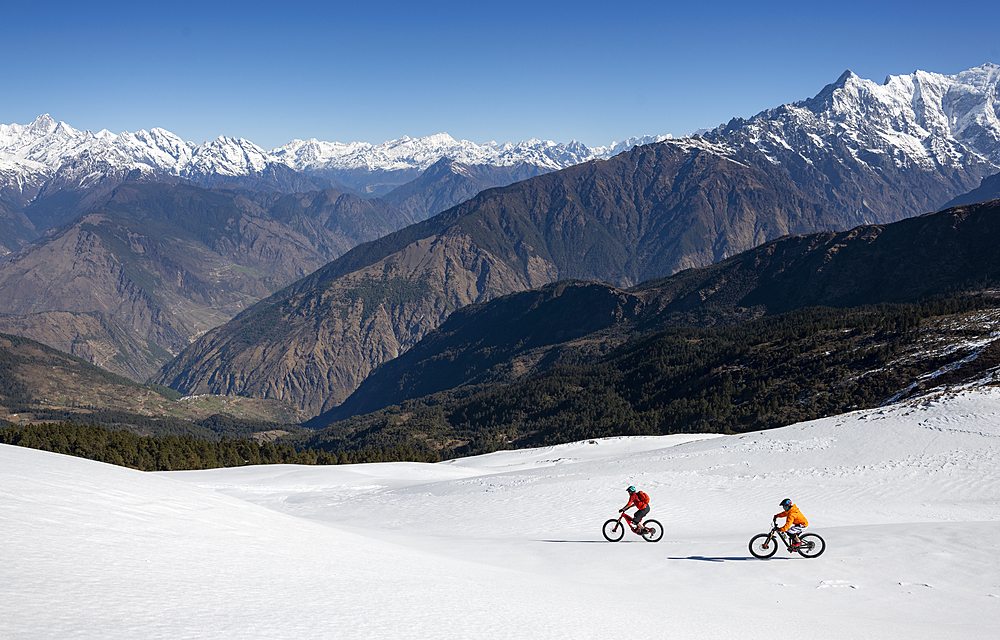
x,y
640,514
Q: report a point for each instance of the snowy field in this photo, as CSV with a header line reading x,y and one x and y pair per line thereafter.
x,y
509,545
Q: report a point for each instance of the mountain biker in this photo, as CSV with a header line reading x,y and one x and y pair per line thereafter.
x,y
795,522
640,501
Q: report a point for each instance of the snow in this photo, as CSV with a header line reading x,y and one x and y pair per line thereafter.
x,y
926,120
508,545
58,148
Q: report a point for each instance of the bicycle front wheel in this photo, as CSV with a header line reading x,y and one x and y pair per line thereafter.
x,y
653,532
812,546
614,530
763,546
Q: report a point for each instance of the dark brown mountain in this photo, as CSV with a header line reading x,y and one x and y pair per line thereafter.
x,y
165,263
648,212
949,252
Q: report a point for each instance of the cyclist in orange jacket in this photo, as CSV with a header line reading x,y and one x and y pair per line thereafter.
x,y
795,522
640,501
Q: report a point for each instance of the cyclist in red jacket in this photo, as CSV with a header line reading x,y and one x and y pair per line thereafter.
x,y
640,501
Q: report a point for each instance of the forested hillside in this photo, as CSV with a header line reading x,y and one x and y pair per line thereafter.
x,y
760,374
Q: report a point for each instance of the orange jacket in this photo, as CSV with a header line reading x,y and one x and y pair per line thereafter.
x,y
792,516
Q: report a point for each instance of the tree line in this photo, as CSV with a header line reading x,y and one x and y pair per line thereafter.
x,y
187,452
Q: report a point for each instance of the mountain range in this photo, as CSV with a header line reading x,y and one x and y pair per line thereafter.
x,y
50,172
857,153
264,221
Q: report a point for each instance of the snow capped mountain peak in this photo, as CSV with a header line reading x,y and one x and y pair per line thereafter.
x,y
56,148
926,120
440,138
43,124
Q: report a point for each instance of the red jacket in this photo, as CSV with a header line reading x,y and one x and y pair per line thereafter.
x,y
636,500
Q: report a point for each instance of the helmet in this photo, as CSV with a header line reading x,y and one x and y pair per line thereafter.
x,y
631,489
786,504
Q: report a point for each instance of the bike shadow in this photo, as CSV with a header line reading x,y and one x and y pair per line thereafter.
x,y
723,559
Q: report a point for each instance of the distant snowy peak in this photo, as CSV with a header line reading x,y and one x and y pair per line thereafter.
x,y
923,120
47,146
927,120
421,153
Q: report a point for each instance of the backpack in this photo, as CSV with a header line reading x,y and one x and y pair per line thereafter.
x,y
642,497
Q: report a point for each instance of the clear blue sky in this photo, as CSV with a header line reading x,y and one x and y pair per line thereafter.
x,y
506,71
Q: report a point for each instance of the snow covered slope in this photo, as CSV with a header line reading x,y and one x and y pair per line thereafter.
x,y
508,545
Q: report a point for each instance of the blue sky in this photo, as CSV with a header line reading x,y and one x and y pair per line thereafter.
x,y
505,71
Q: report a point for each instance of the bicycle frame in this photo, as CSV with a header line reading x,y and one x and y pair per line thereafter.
x,y
630,521
775,529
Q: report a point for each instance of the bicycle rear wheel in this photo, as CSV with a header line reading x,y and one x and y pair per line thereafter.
x,y
763,546
812,546
614,530
654,531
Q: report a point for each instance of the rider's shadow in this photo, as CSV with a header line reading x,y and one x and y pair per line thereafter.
x,y
722,559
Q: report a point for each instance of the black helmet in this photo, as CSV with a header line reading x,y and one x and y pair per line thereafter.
x,y
786,504
631,489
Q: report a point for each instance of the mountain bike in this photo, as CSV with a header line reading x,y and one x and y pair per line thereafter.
x,y
764,545
614,529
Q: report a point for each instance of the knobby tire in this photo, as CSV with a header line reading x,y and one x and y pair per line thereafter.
x,y
654,531
812,546
611,534
757,548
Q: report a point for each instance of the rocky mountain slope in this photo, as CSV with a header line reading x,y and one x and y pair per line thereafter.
x,y
164,263
572,322
104,340
760,374
649,211
856,153
447,183
51,172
